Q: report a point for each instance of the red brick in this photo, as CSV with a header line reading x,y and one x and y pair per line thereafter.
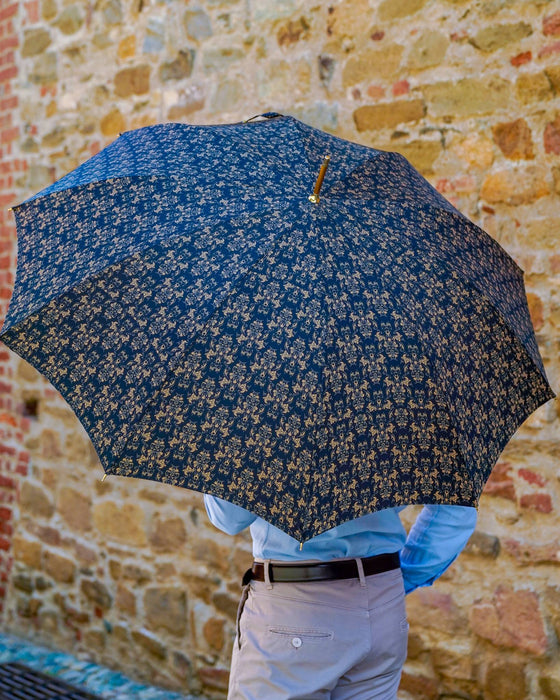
x,y
9,42
552,137
521,58
528,553
541,502
532,477
8,11
551,24
401,87
9,134
6,528
32,10
7,199
8,73
5,544
7,482
550,48
7,58
5,513
500,482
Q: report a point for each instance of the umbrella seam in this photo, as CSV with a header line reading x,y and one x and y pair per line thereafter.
x,y
433,372
175,363
9,324
470,283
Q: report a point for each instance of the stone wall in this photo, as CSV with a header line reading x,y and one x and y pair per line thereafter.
x,y
131,573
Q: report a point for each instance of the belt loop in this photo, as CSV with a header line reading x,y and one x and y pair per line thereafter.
x,y
267,574
360,566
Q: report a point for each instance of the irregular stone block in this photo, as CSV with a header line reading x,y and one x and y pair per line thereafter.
x,y
515,186
168,535
44,70
533,87
483,544
35,41
505,680
514,139
75,508
226,604
96,592
35,500
421,153
70,20
419,687
27,551
178,69
113,123
219,59
428,50
468,96
125,600
58,567
197,24
511,618
372,117
166,608
371,65
395,9
530,553
293,31
213,631
150,643
122,523
132,81
428,607
497,36
211,677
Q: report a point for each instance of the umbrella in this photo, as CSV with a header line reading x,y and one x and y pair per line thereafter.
x,y
223,313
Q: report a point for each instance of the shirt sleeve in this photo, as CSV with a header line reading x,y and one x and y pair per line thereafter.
x,y
227,516
434,542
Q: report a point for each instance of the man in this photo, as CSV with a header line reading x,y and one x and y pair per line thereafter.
x,y
327,620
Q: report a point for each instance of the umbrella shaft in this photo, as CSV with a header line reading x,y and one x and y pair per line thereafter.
x,y
315,196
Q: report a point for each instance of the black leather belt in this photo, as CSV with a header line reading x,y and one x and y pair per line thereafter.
x,y
323,571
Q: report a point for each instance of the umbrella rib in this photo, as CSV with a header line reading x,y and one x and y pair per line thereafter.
x,y
433,372
174,364
8,323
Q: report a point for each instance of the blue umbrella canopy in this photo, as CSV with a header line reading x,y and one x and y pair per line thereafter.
x,y
311,359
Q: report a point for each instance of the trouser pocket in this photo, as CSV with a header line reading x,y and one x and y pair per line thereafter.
x,y
242,601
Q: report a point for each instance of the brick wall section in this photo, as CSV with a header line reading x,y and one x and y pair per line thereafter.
x,y
132,573
14,458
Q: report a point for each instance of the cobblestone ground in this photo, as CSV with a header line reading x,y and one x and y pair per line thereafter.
x,y
81,673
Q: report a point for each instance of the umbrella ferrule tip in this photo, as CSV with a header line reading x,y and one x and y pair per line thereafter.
x,y
314,198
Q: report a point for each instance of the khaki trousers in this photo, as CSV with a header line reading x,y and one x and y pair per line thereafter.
x,y
335,640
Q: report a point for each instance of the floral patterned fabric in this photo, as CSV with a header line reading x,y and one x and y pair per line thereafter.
x,y
213,328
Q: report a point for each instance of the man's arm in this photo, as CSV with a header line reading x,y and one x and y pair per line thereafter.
x,y
227,516
434,542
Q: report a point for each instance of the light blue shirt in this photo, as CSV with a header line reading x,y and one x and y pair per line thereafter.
x,y
433,543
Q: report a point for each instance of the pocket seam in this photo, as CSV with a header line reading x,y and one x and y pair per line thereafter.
x,y
310,633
